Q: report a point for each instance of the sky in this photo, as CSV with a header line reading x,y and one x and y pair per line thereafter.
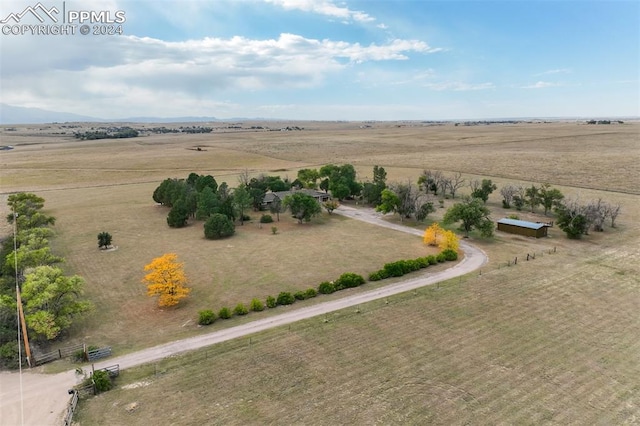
x,y
324,59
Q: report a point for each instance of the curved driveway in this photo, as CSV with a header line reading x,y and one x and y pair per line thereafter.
x,y
45,396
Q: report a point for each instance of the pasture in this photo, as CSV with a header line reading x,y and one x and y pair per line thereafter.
x,y
550,341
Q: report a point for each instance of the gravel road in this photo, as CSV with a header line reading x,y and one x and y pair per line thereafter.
x,y
44,397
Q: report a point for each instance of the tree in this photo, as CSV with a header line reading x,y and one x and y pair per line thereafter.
x,y
432,234
178,215
27,207
532,197
482,190
242,201
430,181
342,180
302,206
571,219
308,177
424,210
218,226
276,207
508,192
549,197
389,202
372,191
52,300
207,203
473,214
104,240
204,181
330,205
166,279
455,182
225,202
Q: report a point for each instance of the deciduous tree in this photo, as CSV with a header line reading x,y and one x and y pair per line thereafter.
x,y
242,201
483,189
302,206
52,300
473,214
549,197
166,279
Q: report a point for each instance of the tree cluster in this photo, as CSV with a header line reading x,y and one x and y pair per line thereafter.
x,y
116,133
439,184
50,300
576,218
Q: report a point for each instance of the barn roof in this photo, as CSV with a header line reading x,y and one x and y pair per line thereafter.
x,y
521,223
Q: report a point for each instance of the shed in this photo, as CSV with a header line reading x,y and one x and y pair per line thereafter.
x,y
522,227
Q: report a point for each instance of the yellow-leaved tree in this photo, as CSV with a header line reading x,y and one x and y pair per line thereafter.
x,y
166,279
434,235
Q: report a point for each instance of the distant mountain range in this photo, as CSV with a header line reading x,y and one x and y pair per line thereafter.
x,y
10,114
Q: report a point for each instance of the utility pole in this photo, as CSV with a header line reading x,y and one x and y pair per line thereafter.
x,y
18,298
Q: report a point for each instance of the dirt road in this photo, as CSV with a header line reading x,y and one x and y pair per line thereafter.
x,y
44,397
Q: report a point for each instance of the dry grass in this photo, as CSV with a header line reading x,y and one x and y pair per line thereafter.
x,y
551,341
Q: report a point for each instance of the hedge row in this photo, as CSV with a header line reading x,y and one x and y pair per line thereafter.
x,y
403,267
346,280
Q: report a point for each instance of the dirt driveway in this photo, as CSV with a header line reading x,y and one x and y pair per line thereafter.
x,y
44,397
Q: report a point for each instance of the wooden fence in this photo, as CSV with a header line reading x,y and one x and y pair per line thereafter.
x,y
40,359
71,408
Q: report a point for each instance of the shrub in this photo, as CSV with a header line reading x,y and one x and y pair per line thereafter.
x,y
395,269
9,355
102,380
285,298
266,218
246,218
450,254
375,276
310,292
441,258
206,317
256,305
240,309
348,280
299,295
326,287
432,259
225,313
271,302
514,216
423,262
274,230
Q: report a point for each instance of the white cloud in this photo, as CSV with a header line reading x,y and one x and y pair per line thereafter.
x,y
458,86
112,75
541,85
555,71
324,7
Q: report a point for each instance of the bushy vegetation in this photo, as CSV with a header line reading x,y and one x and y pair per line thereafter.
x,y
218,226
403,267
256,305
224,313
285,298
266,218
51,300
271,302
326,287
206,317
102,381
240,309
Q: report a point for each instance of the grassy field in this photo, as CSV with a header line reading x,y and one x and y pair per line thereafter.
x,y
551,341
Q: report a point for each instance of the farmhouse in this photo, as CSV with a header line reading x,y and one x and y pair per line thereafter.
x,y
269,197
522,227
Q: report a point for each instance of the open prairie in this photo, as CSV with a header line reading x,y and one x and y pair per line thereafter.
x,y
553,340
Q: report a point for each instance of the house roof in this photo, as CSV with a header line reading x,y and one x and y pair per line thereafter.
x,y
522,223
270,196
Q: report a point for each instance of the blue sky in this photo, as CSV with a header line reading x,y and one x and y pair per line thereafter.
x,y
333,60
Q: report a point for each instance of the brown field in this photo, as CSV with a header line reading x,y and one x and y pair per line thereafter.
x,y
550,341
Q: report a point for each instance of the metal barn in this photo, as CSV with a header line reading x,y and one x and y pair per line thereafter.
x,y
522,227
